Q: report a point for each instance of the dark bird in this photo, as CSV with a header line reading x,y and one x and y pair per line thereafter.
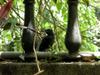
x,y
47,41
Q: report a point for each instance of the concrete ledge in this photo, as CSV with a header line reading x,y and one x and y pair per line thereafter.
x,y
78,68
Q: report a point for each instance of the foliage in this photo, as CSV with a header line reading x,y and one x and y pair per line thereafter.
x,y
49,14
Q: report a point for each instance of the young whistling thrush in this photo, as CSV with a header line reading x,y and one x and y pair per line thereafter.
x,y
47,41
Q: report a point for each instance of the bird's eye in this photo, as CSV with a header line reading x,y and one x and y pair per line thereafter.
x,y
43,34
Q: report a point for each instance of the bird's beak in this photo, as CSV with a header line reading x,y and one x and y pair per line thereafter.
x,y
43,33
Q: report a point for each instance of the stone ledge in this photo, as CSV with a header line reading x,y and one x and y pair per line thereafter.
x,y
77,68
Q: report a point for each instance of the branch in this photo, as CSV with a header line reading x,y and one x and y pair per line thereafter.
x,y
17,14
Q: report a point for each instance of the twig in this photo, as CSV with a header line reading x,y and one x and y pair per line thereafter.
x,y
39,72
24,27
36,58
88,5
17,14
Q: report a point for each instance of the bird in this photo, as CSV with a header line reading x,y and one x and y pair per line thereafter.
x,y
47,40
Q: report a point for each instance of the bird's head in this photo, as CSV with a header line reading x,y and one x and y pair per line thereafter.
x,y
49,32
